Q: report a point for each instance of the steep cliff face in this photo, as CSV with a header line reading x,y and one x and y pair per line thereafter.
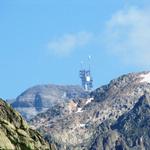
x,y
15,134
105,121
39,98
130,131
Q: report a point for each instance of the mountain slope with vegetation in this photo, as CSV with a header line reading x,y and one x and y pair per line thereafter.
x,y
15,134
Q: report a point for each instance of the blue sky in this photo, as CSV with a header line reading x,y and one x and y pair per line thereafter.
x,y
43,41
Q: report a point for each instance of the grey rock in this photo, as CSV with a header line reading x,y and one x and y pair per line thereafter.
x,y
115,117
39,98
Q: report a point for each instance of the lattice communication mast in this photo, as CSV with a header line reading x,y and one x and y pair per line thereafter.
x,y
86,77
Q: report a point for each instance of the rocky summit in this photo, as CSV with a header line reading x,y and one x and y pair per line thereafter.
x,y
41,97
114,117
15,134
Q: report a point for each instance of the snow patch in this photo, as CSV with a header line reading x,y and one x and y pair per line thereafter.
x,y
89,101
79,110
82,125
146,78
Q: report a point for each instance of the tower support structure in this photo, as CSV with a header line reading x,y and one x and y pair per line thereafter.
x,y
86,78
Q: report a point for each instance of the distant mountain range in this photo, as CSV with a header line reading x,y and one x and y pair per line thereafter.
x,y
113,117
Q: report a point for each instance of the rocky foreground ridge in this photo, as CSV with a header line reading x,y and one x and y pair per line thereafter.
x,y
15,134
114,117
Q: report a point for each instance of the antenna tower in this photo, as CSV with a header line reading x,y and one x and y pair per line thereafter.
x,y
86,77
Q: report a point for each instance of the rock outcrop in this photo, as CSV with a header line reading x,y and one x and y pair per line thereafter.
x,y
129,132
40,98
115,117
15,134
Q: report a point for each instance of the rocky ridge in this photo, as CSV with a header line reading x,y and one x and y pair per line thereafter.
x,y
91,123
129,132
15,134
40,98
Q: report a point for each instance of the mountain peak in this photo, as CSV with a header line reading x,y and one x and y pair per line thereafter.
x,y
145,77
91,120
40,98
106,104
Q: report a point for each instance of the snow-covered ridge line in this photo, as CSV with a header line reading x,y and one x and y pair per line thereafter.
x,y
145,78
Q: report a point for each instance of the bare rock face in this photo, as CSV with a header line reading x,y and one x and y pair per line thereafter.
x,y
129,131
40,98
15,134
105,121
